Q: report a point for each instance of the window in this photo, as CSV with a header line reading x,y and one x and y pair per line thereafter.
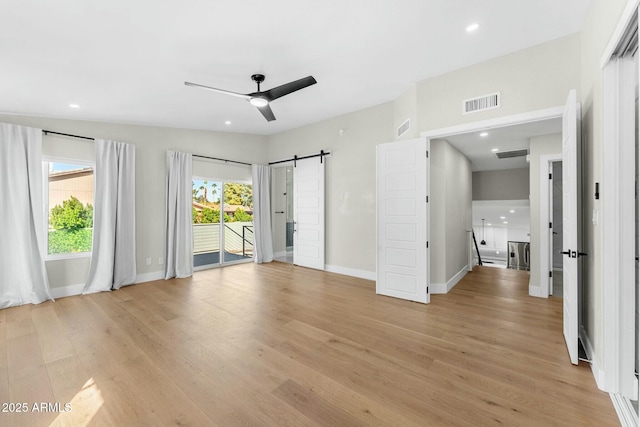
x,y
69,203
222,222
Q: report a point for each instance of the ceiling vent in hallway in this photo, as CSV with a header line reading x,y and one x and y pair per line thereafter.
x,y
481,103
512,154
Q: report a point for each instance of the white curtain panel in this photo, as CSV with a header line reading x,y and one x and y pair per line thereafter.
x,y
23,277
113,258
179,244
263,240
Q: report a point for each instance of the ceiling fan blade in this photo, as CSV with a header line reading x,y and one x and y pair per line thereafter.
x,y
287,88
213,89
267,113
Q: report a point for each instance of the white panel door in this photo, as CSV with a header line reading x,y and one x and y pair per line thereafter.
x,y
308,208
570,225
402,215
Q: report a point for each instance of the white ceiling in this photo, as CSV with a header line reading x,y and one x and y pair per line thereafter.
x,y
478,149
126,61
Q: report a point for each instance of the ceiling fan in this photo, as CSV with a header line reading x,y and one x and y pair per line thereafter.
x,y
261,99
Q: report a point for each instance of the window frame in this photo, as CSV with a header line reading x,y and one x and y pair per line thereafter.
x,y
45,179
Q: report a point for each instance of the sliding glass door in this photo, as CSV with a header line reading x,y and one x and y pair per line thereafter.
x,y
222,222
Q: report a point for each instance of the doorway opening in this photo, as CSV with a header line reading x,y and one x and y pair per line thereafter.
x,y
555,212
222,217
283,215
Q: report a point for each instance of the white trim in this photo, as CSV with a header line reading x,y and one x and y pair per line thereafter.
x,y
545,219
280,254
149,277
618,272
67,291
457,277
598,373
515,119
626,413
444,288
618,33
438,289
71,290
536,291
353,272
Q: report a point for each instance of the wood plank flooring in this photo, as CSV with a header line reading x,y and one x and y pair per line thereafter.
x,y
278,345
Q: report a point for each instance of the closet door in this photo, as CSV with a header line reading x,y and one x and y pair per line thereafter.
x,y
308,207
402,215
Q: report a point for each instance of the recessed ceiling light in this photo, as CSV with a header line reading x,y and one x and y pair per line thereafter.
x,y
488,224
484,134
227,122
503,217
74,106
506,222
512,211
494,150
472,27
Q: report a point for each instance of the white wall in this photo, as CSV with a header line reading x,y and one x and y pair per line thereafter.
x,y
151,145
450,207
528,80
508,184
540,145
350,181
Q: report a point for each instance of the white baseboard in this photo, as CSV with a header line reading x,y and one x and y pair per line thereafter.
x,y
353,272
536,291
67,291
150,277
455,279
438,288
444,288
280,254
71,290
598,373
626,413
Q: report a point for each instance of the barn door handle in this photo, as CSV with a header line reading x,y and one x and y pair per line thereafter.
x,y
582,254
566,252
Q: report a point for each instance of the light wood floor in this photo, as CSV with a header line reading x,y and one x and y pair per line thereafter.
x,y
277,345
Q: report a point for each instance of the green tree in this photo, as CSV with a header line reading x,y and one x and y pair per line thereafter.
x,y
212,216
71,215
240,215
238,194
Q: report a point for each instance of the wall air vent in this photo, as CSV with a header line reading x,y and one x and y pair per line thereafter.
x,y
512,154
481,103
404,127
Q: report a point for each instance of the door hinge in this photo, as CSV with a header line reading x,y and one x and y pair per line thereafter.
x,y
550,176
551,274
427,245
427,290
550,225
427,154
427,199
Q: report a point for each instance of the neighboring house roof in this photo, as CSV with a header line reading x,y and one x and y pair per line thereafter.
x,y
70,173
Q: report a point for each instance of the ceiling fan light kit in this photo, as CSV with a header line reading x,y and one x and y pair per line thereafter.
x,y
261,99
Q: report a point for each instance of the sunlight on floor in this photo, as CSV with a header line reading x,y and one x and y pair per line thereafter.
x,y
84,406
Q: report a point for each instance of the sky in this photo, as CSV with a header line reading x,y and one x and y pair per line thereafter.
x,y
59,167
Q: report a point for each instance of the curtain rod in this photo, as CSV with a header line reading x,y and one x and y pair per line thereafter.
x,y
321,154
222,160
66,134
